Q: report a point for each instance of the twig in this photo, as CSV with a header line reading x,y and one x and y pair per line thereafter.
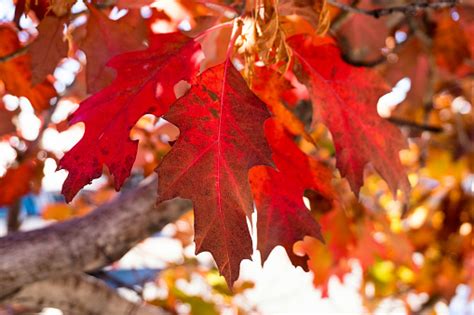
x,y
409,9
414,125
14,54
364,63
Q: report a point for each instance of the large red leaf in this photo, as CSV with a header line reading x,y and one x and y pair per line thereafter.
x,y
282,218
344,98
107,38
144,85
221,124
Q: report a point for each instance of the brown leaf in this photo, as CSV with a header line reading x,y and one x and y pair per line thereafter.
x,y
107,38
48,48
6,124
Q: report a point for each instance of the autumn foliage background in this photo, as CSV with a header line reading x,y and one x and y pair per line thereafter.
x,y
343,129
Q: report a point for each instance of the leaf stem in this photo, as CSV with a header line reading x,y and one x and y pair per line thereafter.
x,y
236,29
415,125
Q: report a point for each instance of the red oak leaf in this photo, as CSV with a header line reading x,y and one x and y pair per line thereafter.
x,y
344,98
221,125
144,85
48,48
16,73
282,218
107,38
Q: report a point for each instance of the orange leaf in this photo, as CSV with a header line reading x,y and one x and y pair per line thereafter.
x,y
16,74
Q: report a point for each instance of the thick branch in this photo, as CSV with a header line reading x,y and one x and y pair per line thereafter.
x,y
87,243
409,9
78,294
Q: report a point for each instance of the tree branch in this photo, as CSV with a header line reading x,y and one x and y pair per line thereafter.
x,y
78,294
409,9
87,243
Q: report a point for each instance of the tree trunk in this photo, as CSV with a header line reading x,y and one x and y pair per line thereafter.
x,y
13,218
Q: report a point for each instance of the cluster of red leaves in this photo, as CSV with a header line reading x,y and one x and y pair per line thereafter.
x,y
222,137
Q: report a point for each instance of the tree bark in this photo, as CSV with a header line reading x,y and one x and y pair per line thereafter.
x,y
78,294
87,243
